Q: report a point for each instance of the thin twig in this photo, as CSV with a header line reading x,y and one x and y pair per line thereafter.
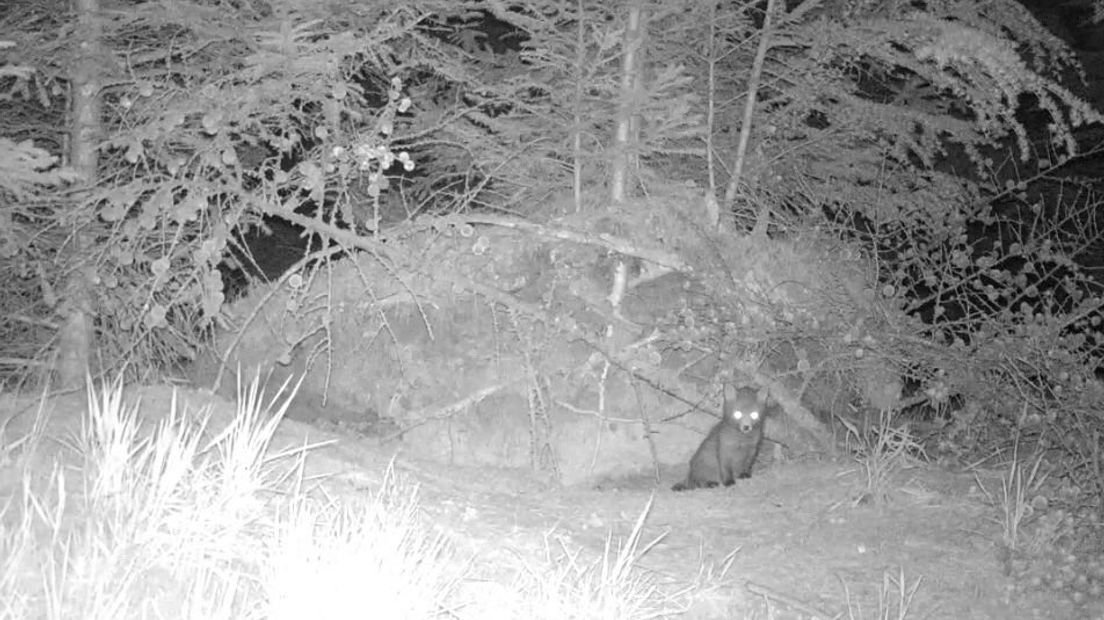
x,y
440,413
786,600
647,426
617,244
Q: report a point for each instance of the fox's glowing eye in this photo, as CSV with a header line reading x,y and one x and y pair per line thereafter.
x,y
754,415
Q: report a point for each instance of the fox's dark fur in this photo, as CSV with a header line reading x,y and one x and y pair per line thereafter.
x,y
728,452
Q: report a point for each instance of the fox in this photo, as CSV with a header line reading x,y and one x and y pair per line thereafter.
x,y
728,452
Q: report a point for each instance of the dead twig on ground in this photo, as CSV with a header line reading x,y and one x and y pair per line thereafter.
x,y
786,600
447,411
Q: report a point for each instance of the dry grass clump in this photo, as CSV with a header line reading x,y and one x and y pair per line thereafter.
x,y
182,520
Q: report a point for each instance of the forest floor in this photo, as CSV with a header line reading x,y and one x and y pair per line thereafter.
x,y
800,539
797,540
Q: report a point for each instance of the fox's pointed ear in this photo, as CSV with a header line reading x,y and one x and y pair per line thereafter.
x,y
729,392
763,398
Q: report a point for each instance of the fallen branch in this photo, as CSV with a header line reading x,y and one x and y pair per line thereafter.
x,y
620,245
786,600
426,416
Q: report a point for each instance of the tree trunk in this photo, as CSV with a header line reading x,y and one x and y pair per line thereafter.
x,y
624,156
75,337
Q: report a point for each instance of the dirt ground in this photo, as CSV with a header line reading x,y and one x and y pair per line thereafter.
x,y
796,531
801,540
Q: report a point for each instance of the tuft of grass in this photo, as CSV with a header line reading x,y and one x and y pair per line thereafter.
x,y
1019,485
178,520
711,573
882,451
895,597
714,592
371,558
613,587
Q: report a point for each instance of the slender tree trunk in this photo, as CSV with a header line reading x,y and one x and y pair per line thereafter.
x,y
85,130
712,209
630,69
580,72
763,217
